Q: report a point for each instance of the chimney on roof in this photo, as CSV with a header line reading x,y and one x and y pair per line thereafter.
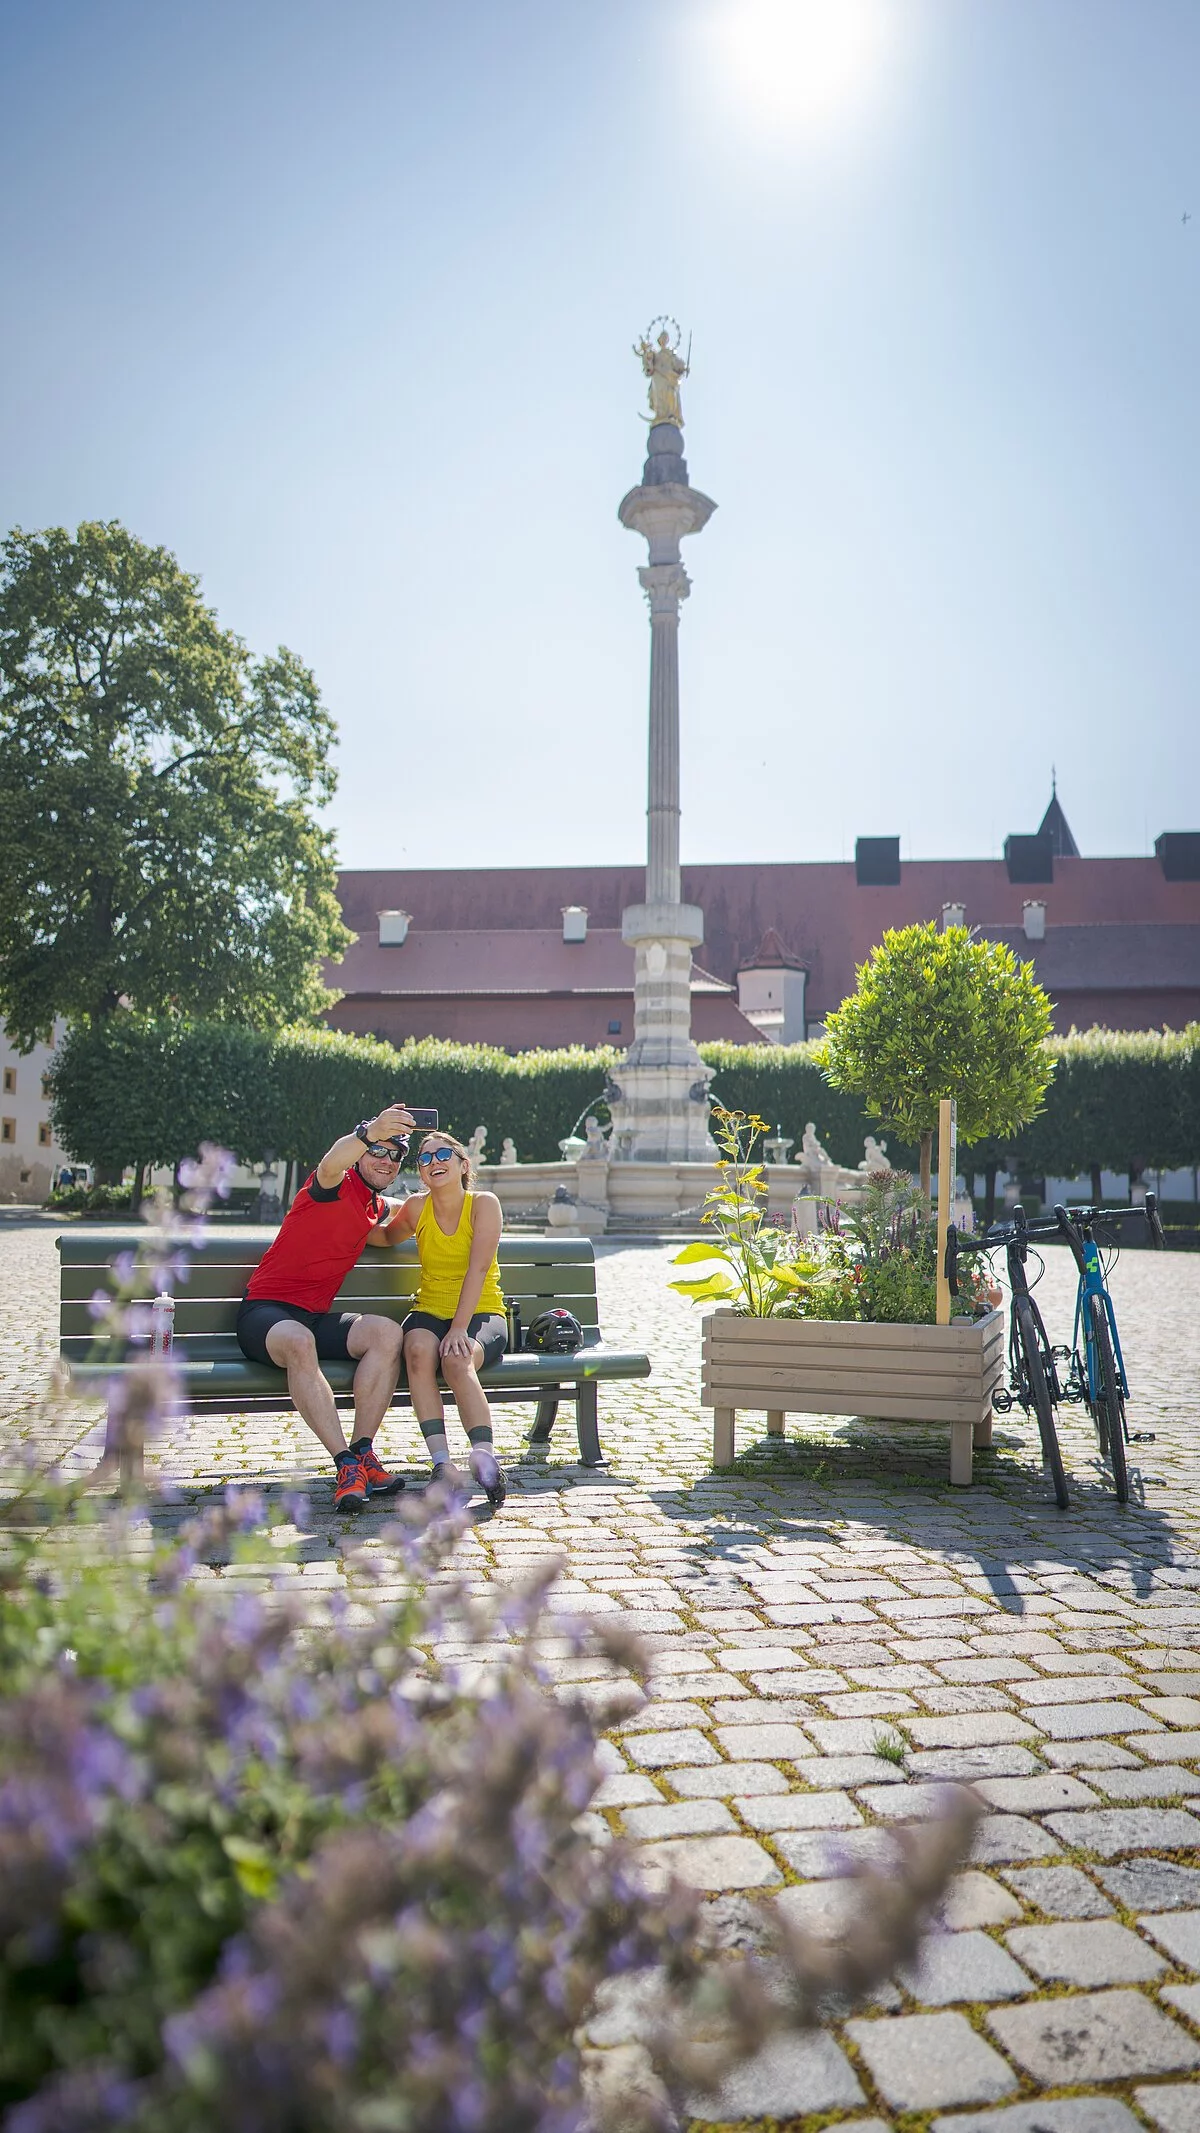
x,y
953,915
1178,854
1034,920
876,861
574,918
393,928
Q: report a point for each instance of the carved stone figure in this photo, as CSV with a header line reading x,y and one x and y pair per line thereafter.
x,y
508,1154
596,1149
875,1155
476,1146
664,368
812,1155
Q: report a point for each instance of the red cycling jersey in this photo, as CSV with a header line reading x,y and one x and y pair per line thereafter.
x,y
320,1239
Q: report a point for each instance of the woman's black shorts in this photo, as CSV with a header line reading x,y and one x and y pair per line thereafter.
x,y
257,1315
487,1327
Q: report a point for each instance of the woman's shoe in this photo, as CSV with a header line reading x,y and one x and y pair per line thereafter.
x,y
485,1469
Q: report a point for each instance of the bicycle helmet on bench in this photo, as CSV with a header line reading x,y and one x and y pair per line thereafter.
x,y
554,1332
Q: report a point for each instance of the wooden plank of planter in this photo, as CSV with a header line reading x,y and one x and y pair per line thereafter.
x,y
878,1364
810,1389
891,1408
833,1332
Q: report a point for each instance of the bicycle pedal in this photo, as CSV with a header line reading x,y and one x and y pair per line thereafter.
x,y
1142,1436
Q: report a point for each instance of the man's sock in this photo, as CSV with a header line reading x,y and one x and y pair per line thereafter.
x,y
362,1444
434,1433
483,1462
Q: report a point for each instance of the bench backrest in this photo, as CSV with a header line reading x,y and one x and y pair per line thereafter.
x,y
536,1271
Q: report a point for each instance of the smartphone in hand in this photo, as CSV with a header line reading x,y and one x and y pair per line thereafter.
x,y
423,1121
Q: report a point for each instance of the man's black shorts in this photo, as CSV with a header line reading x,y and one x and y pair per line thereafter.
x,y
258,1314
487,1327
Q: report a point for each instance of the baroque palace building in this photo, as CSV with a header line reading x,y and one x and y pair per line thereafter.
x,y
531,956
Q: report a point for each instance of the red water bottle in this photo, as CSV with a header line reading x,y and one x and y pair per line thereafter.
x,y
162,1325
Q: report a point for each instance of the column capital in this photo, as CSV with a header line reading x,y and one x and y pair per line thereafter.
x,y
665,585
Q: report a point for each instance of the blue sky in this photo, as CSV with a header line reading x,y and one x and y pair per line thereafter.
x,y
337,302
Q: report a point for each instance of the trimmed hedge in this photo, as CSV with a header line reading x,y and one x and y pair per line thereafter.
x,y
128,1090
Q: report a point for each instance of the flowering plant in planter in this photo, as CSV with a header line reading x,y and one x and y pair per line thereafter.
x,y
763,1270
879,1259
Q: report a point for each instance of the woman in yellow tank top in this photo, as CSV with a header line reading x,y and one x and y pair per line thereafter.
x,y
458,1323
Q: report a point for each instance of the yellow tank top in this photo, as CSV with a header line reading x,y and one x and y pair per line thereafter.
x,y
444,1264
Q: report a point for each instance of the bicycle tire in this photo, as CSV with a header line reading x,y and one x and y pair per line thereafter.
x,y
1109,1397
1035,1376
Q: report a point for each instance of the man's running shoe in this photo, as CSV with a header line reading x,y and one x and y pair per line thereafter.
x,y
379,1481
350,1488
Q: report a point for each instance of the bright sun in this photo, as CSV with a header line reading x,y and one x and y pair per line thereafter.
x,y
800,62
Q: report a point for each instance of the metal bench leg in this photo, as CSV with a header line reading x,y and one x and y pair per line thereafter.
x,y
724,1425
587,1424
544,1419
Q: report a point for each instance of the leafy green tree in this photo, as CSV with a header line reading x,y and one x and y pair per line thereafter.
x,y
940,1014
158,844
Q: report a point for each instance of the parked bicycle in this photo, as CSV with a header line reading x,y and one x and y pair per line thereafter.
x,y
1096,1374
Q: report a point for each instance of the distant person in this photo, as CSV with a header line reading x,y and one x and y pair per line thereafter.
x,y
458,1322
286,1315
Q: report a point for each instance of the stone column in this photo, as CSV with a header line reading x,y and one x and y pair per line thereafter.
x,y
659,1100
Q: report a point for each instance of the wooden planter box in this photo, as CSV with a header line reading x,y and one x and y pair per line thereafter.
x,y
811,1366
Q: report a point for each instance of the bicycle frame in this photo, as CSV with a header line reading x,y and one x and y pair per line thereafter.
x,y
1086,1253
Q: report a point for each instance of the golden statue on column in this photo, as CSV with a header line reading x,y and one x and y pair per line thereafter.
x,y
664,367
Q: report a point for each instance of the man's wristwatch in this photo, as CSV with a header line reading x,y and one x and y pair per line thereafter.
x,y
363,1132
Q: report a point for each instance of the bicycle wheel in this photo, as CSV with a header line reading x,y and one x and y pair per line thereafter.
x,y
1110,1405
1039,1393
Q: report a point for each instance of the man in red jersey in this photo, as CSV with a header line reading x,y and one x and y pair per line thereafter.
x,y
285,1316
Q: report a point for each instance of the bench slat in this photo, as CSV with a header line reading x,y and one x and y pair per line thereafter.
x,y
387,1279
235,1244
196,1316
232,1376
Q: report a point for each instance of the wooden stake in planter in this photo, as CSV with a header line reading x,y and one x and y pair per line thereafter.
x,y
947,1180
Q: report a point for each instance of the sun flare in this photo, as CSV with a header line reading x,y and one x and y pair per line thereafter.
x,y
800,62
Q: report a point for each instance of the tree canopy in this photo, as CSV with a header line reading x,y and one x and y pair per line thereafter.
x,y
159,846
940,1014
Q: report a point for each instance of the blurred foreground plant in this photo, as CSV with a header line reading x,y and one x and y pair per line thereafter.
x,y
286,1873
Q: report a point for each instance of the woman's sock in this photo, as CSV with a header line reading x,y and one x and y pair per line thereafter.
x,y
434,1433
483,1461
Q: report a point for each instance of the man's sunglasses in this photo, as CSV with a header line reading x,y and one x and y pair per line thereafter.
x,y
386,1152
436,1155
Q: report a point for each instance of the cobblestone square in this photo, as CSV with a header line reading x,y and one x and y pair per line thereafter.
x,y
834,1631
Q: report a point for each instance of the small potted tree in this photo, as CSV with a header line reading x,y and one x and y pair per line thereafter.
x,y
844,1323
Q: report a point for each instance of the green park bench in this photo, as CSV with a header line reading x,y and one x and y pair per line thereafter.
x,y
215,1378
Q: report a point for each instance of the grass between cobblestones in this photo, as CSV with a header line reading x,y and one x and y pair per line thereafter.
x,y
845,1548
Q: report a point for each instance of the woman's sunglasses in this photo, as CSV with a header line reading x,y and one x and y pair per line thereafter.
x,y
435,1155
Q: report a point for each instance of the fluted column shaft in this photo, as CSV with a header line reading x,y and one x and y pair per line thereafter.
x,y
665,585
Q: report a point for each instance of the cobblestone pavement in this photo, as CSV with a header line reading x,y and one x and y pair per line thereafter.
x,y
834,1630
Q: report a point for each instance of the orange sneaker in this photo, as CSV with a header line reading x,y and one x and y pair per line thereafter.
x,y
350,1488
379,1481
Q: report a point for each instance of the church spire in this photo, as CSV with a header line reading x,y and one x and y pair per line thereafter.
x,y
1054,825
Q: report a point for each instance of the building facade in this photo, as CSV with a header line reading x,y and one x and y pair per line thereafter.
x,y
29,1153
529,956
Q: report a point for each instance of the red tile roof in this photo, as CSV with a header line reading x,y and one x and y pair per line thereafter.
x,y
818,911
